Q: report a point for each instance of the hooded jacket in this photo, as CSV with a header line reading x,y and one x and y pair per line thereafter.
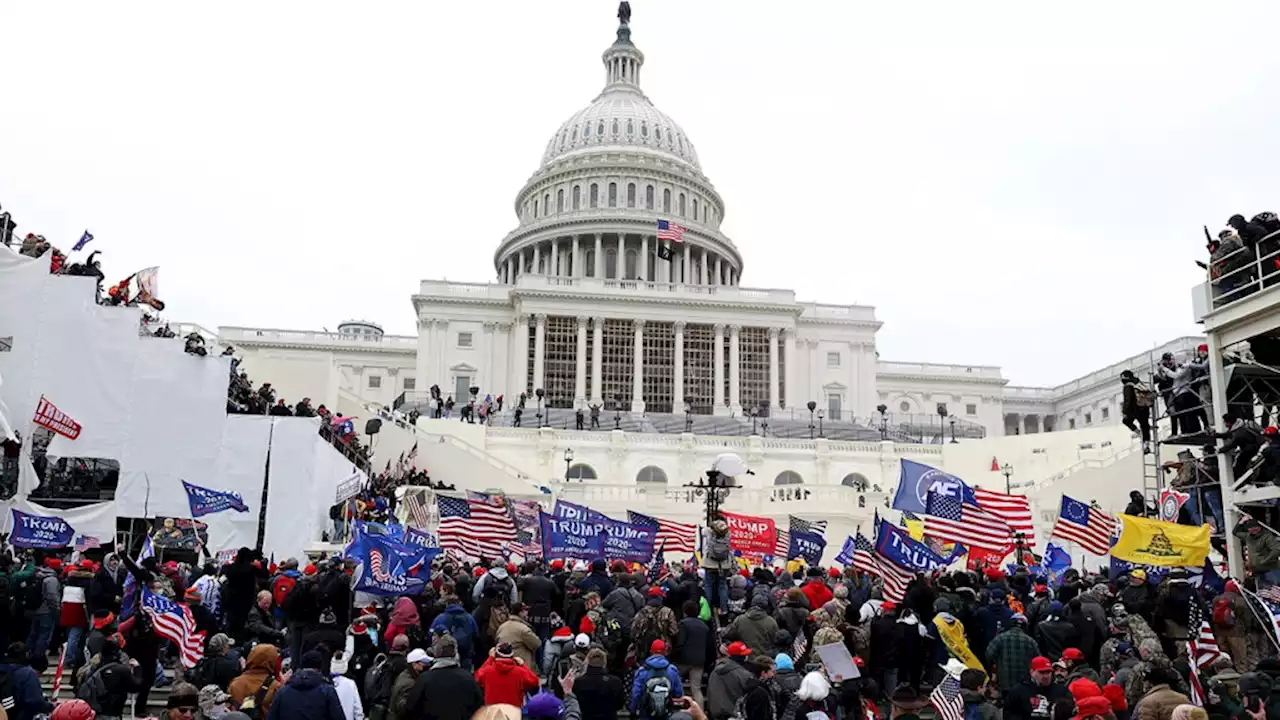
x,y
817,592
727,683
716,538
693,640
522,638
654,666
260,665
28,696
504,681
597,581
459,623
445,692
309,695
496,576
756,629
104,589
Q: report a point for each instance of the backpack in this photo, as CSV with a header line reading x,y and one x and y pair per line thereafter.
x,y
31,590
1223,615
281,589
455,626
202,673
93,689
655,703
718,548
498,614
1144,396
252,705
377,686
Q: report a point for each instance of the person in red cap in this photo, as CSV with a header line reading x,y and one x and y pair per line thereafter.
x,y
1094,707
1078,667
504,678
728,681
656,683
1035,695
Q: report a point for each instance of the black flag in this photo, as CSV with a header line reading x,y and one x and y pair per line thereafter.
x,y
664,252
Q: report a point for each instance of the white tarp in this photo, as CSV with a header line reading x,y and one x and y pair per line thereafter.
x,y
305,473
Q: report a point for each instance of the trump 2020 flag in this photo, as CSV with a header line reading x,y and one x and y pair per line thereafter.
x,y
204,501
85,239
40,531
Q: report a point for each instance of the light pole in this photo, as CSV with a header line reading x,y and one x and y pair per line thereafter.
x,y
617,411
953,428
688,416
753,421
568,459
811,405
1007,469
942,429
821,414
540,393
884,420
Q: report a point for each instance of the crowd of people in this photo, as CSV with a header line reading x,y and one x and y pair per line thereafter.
x,y
591,640
1237,247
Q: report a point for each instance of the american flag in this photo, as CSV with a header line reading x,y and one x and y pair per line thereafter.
x,y
679,537
781,543
668,230
175,623
955,520
895,577
415,502
1202,648
817,527
1014,510
946,699
658,570
478,526
413,455
130,597
1084,525
1269,599
863,550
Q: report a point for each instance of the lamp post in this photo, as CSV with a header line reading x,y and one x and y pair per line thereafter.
x,y
540,393
688,416
764,417
753,420
953,428
811,405
1007,469
568,459
821,414
617,411
942,429
714,489
884,420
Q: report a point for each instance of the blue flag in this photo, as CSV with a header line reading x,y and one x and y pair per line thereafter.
x,y
570,537
40,531
916,480
845,556
895,544
389,567
85,239
204,501
414,537
807,545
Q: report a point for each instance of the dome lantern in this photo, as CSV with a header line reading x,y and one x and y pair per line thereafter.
x,y
623,60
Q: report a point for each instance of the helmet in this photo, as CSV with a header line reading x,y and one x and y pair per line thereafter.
x,y
73,710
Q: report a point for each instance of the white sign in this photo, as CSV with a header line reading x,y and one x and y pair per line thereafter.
x,y
837,661
349,488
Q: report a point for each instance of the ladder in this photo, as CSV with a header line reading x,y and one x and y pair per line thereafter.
x,y
1152,473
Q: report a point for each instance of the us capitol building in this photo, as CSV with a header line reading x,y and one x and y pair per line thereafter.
x,y
588,303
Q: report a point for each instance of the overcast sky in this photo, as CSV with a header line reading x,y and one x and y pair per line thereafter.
x,y
1008,184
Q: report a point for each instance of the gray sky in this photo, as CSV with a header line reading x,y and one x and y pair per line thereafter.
x,y
1008,184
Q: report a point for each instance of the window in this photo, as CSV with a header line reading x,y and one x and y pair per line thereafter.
x,y
375,382
560,200
535,208
651,474
666,200
857,481
575,135
589,263
581,472
644,129
631,265
631,195
595,195
971,409
546,203
615,127
1088,418
648,197
904,406
695,208
681,204
600,128
613,194
657,133
611,264
833,406
1071,423
1106,414
631,128
586,130
577,196
788,477
464,339
833,359
410,383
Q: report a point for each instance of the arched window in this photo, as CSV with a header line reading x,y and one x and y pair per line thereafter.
x,y
857,481
644,129
535,209
546,203
595,195
615,126
613,194
695,208
680,143
631,265
586,130
564,136
575,134
788,477
631,195
631,128
589,263
648,197
600,128
651,474
581,472
560,200
657,134
611,264
681,204
666,200
577,196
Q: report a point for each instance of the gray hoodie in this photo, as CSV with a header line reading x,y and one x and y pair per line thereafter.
x,y
50,590
495,574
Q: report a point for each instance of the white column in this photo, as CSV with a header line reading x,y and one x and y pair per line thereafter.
x,y
537,257
599,259
637,368
422,363
735,385
520,358
789,345
717,374
620,262
812,346
576,257
597,357
552,257
539,346
442,360
580,382
486,380
677,370
719,271
706,267
642,262
684,273
773,370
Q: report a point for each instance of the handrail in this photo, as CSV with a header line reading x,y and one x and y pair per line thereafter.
x,y
1252,267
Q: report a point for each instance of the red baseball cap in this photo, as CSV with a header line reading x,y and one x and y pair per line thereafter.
x,y
1072,654
656,591
658,648
834,572
1041,664
737,648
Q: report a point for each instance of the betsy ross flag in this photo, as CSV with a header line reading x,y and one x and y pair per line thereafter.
x,y
680,537
175,623
1014,510
962,521
668,230
1084,525
478,526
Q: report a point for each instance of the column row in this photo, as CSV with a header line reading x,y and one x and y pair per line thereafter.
x,y
593,395
595,257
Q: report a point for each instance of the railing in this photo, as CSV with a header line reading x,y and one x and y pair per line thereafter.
x,y
534,281
905,368
1243,272
236,335
818,499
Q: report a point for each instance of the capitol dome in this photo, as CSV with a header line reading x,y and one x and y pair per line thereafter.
x,y
620,195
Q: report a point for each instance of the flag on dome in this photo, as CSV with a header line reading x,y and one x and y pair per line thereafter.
x,y
1084,525
668,230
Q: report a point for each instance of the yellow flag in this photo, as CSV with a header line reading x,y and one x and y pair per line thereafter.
x,y
952,634
1155,542
915,528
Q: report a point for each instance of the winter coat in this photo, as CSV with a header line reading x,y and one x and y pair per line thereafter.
x,y
539,593
622,605
1264,550
600,694
348,697
522,638
1027,700
786,683
120,681
692,642
73,613
260,665
50,593
1158,703
104,589
259,627
497,577
445,692
597,581
400,693
1010,655
717,538
817,592
756,629
239,589
458,622
654,666
727,682
308,695
504,681
1055,635
791,617
977,707
655,621
28,696
883,641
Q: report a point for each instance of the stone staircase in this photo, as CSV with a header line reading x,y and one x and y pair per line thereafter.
x,y
156,700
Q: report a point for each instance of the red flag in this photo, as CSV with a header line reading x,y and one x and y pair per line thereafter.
x,y
995,464
751,534
49,416
57,674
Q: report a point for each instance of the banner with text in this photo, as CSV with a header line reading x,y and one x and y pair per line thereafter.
x,y
205,501
388,567
179,533
414,537
40,531
845,556
896,544
570,537
807,545
751,533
